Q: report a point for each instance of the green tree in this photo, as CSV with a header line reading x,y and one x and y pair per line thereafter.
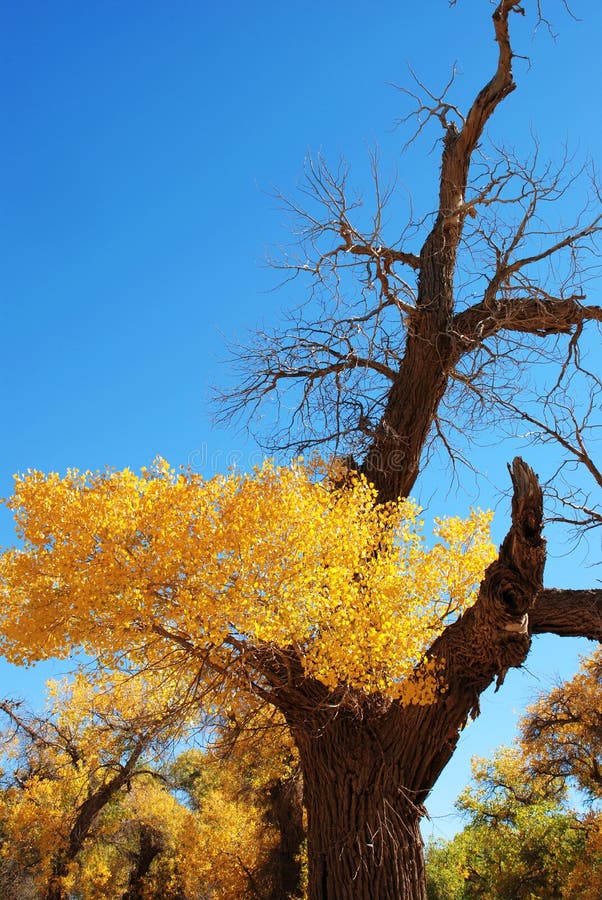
x,y
526,837
562,738
521,841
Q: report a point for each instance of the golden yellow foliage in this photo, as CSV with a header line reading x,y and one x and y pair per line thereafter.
x,y
71,755
585,881
147,808
280,557
68,767
561,731
561,737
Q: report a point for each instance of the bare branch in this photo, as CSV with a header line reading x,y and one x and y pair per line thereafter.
x,y
429,106
541,315
394,349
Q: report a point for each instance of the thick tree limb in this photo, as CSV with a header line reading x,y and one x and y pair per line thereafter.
x,y
495,634
459,145
529,315
392,462
500,85
489,638
492,636
568,613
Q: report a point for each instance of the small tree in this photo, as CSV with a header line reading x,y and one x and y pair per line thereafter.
x,y
526,837
69,766
521,841
246,793
313,595
562,738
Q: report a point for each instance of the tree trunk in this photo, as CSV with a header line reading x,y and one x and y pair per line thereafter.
x,y
363,833
85,817
369,763
284,867
149,848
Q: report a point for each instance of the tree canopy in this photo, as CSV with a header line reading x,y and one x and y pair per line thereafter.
x,y
237,568
313,590
93,804
527,833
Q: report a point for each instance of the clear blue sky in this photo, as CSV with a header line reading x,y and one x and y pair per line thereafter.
x,y
141,142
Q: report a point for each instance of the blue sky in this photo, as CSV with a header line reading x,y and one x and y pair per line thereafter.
x,y
142,145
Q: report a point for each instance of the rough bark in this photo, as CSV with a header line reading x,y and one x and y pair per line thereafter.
x,y
369,766
149,848
285,813
568,613
490,638
363,826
